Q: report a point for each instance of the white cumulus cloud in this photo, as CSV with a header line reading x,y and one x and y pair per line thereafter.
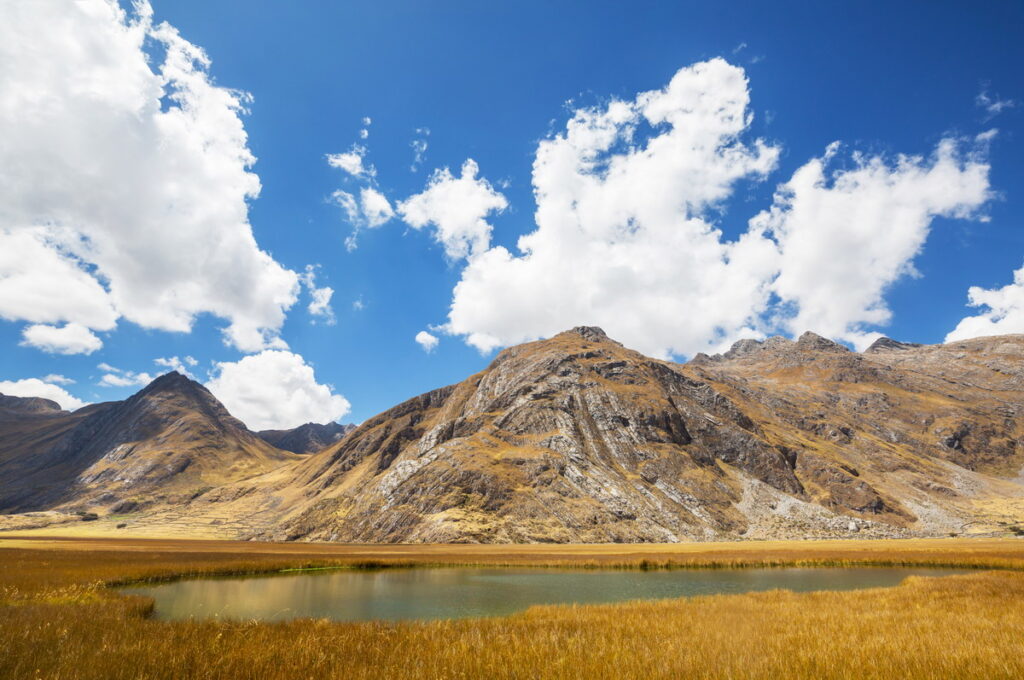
x,y
371,209
41,282
57,379
115,377
176,364
124,180
351,161
847,235
71,338
628,201
375,206
320,297
456,208
1005,313
427,341
34,387
275,390
623,237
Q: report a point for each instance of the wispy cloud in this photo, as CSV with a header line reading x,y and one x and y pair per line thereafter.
x,y
419,148
992,103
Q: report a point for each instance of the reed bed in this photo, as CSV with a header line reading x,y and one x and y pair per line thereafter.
x,y
59,619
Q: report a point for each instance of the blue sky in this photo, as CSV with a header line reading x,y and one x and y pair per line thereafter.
x,y
491,81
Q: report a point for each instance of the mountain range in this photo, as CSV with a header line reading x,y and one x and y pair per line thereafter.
x,y
570,439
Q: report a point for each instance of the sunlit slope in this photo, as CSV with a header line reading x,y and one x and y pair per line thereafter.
x,y
578,439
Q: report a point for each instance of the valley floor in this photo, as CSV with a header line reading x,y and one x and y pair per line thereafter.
x,y
59,620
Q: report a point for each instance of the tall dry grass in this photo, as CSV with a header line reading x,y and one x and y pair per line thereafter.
x,y
58,620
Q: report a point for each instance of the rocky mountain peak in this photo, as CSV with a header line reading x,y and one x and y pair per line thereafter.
x,y
178,390
742,348
813,341
748,347
574,438
169,382
884,344
592,333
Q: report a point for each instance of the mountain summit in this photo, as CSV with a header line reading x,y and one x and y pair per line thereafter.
x,y
169,440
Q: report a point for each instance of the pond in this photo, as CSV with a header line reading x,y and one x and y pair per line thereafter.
x,y
448,593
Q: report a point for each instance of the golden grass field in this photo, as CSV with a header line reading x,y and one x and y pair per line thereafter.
x,y
59,620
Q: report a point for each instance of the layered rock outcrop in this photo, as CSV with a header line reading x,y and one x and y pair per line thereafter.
x,y
577,438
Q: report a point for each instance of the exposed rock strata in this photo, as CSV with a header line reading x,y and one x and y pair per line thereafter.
x,y
578,439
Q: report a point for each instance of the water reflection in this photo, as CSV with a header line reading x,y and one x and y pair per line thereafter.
x,y
394,594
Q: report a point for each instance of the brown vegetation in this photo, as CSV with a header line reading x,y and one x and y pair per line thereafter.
x,y
57,620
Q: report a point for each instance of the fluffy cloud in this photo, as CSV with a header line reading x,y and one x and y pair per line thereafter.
x,y
622,236
123,184
351,161
371,209
349,204
846,236
115,377
176,364
456,208
34,387
375,207
1005,312
320,298
275,390
320,305
41,282
57,379
427,341
626,235
71,338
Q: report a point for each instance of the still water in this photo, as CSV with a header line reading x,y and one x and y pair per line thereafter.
x,y
394,594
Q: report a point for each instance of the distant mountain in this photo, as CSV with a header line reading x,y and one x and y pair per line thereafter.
x,y
18,406
166,443
308,438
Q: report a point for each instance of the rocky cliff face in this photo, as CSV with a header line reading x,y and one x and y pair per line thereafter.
x,y
579,439
168,442
308,438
